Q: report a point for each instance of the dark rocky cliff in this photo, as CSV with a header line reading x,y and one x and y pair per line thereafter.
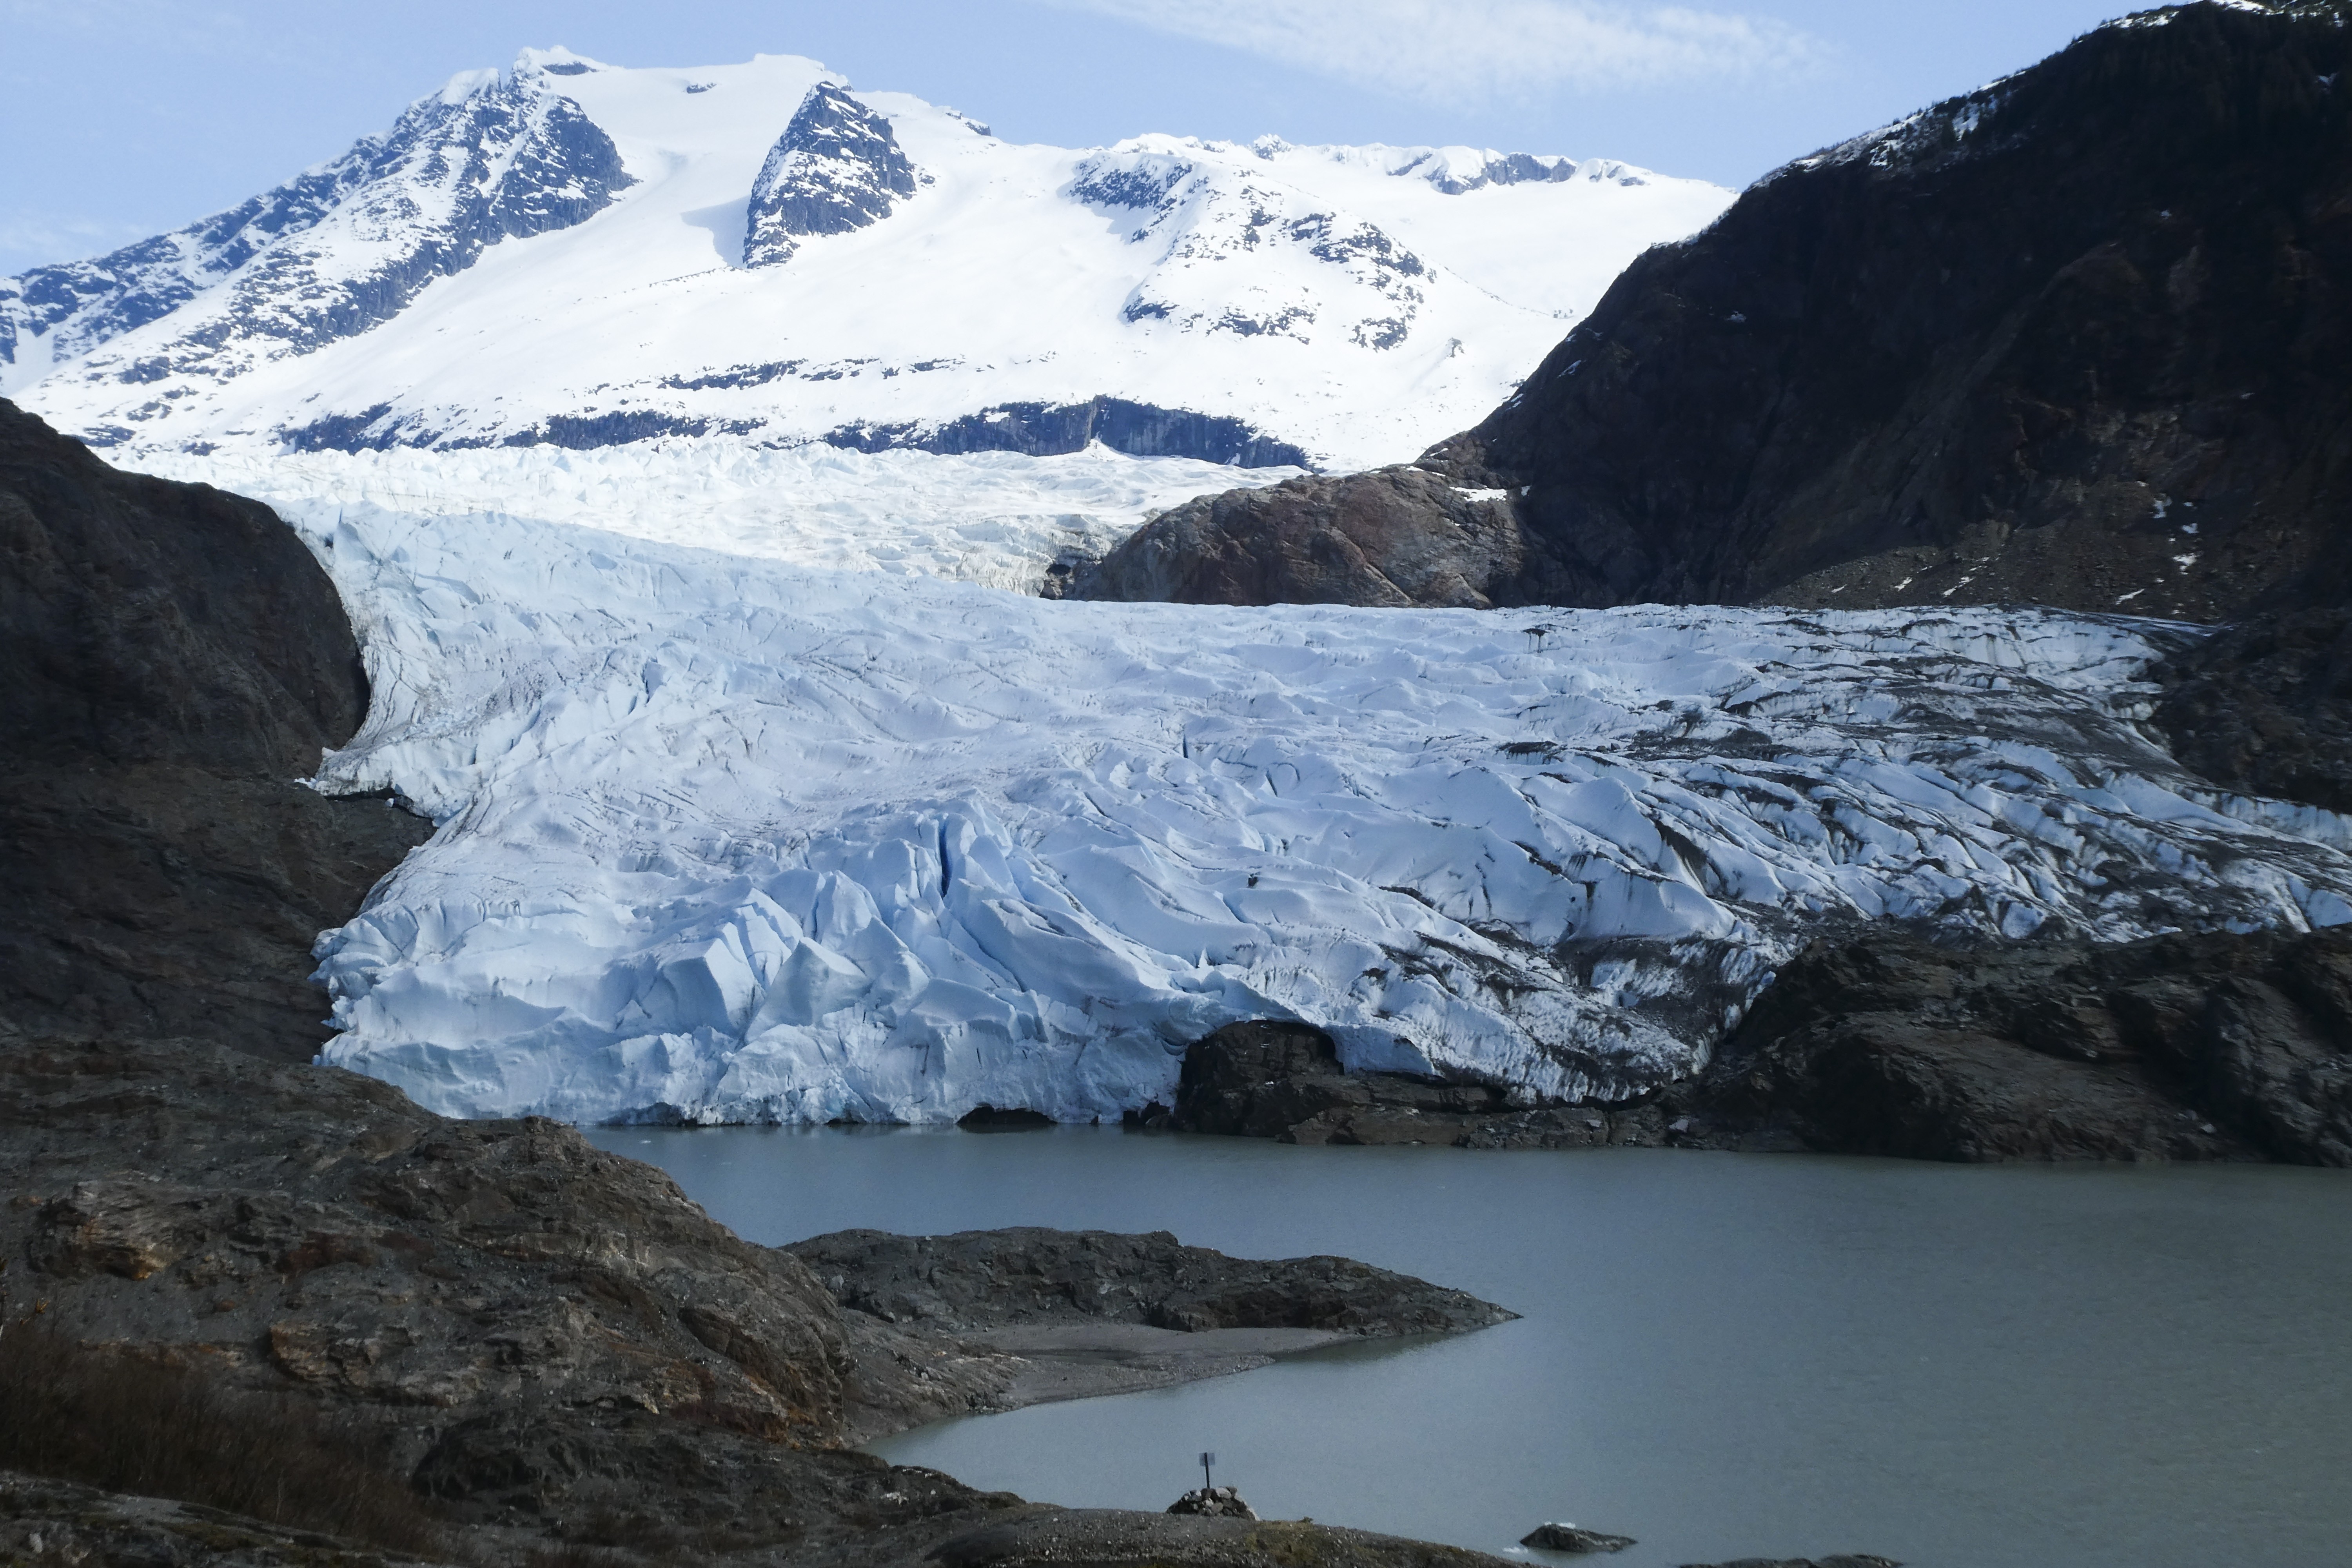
x,y
2082,338
172,660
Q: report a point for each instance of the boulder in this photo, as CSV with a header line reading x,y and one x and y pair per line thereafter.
x,y
1569,1538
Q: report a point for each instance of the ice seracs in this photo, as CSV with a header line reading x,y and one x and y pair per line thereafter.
x,y
573,254
724,838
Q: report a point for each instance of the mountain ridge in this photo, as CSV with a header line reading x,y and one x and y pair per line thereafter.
x,y
572,253
2076,338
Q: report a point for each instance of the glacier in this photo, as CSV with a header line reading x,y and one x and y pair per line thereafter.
x,y
1002,519
731,837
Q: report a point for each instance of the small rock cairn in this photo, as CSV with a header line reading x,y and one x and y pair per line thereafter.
x,y
1216,1502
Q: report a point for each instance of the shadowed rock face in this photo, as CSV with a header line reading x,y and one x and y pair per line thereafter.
x,y
2183,1048
2265,707
2213,1046
2083,338
145,621
171,659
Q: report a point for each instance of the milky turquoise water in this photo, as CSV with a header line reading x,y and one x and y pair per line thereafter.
x,y
1723,1355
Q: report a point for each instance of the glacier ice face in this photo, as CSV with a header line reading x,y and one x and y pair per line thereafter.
x,y
727,838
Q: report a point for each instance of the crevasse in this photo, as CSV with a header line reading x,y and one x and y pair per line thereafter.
x,y
724,838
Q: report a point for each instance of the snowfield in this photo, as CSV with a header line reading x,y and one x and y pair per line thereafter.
x,y
995,518
729,838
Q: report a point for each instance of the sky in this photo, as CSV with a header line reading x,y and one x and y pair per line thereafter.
x,y
126,118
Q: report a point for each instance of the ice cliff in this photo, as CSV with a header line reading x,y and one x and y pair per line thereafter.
x,y
727,838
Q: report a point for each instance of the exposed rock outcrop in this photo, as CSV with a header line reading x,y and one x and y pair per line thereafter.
x,y
172,660
1282,1080
988,1279
544,1335
1082,1536
2214,1046
2264,707
2081,338
2187,1047
1044,429
1571,1538
836,168
1394,536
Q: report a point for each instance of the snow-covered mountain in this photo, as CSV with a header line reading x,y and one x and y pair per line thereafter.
x,y
573,254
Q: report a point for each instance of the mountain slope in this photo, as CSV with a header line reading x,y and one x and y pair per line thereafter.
x,y
2082,338
170,661
575,254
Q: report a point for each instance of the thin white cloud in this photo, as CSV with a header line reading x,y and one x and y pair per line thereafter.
x,y
30,239
1452,49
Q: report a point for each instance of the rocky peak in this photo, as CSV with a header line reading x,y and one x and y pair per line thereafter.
x,y
836,168
332,253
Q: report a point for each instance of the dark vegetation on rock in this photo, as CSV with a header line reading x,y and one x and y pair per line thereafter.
x,y
133,1424
172,660
2082,338
45,1519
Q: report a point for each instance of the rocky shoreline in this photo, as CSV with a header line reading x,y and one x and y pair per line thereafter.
x,y
552,1342
2220,1045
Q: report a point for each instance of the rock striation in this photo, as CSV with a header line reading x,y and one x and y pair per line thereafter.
x,y
2079,338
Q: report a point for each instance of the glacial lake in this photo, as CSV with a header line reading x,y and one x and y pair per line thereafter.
x,y
1723,1355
